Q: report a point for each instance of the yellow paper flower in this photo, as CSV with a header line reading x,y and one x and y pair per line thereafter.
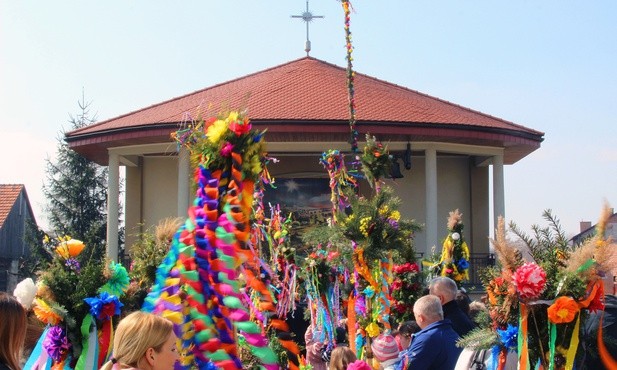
x,y
372,330
45,313
216,131
70,248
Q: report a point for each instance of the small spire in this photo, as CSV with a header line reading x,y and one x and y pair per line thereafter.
x,y
307,17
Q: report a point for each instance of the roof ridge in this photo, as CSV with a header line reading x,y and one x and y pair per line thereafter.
x,y
189,94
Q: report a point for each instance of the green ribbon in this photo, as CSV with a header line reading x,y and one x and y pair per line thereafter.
x,y
552,328
585,266
88,360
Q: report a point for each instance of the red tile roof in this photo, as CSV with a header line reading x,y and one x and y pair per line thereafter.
x,y
8,197
295,97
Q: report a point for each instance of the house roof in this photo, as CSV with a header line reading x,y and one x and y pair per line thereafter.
x,y
306,100
8,197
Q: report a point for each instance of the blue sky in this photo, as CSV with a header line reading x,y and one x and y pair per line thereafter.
x,y
549,65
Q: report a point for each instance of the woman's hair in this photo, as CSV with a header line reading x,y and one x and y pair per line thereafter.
x,y
13,324
341,358
135,334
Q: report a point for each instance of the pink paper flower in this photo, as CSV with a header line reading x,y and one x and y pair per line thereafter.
x,y
529,280
227,149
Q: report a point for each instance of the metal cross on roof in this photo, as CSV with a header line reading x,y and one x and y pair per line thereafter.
x,y
307,17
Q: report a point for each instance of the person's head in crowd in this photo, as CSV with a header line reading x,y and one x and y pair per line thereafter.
x,y
385,350
13,324
341,336
341,357
405,332
463,301
475,308
427,310
444,288
144,341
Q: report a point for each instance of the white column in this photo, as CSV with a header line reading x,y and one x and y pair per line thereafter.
x,y
113,183
430,163
184,168
499,205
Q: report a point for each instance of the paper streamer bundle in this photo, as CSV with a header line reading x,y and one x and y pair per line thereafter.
x,y
200,284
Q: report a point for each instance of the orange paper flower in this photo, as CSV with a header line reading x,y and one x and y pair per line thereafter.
x,y
70,248
564,310
45,313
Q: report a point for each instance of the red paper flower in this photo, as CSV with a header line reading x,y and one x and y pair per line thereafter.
x,y
240,127
529,280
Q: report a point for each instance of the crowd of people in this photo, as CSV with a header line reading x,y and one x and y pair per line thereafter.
x,y
429,342
144,341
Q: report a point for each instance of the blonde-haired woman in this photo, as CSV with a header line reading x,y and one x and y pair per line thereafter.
x,y
143,341
12,332
341,357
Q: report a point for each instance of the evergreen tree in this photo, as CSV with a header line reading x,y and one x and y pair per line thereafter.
x,y
76,192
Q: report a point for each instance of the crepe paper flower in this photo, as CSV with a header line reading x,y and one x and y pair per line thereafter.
x,y
563,310
358,365
70,248
45,313
240,127
372,329
462,264
369,292
56,343
227,149
216,131
509,336
25,291
118,282
73,264
529,280
104,306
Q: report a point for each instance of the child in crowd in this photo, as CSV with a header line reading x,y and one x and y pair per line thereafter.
x,y
385,350
341,357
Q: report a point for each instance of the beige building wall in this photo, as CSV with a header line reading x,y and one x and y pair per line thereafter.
x,y
461,185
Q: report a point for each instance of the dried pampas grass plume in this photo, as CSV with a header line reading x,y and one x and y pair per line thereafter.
x,y
603,251
507,255
606,249
454,218
166,229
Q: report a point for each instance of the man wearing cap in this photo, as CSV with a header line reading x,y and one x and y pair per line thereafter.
x,y
385,351
434,346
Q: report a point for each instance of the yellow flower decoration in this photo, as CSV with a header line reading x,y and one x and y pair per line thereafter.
x,y
372,330
70,248
395,215
216,131
364,224
383,211
45,313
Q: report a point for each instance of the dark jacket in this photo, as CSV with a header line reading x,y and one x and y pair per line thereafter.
x,y
432,348
4,366
461,323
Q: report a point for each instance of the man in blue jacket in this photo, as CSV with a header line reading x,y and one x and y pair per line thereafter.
x,y
445,289
433,347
